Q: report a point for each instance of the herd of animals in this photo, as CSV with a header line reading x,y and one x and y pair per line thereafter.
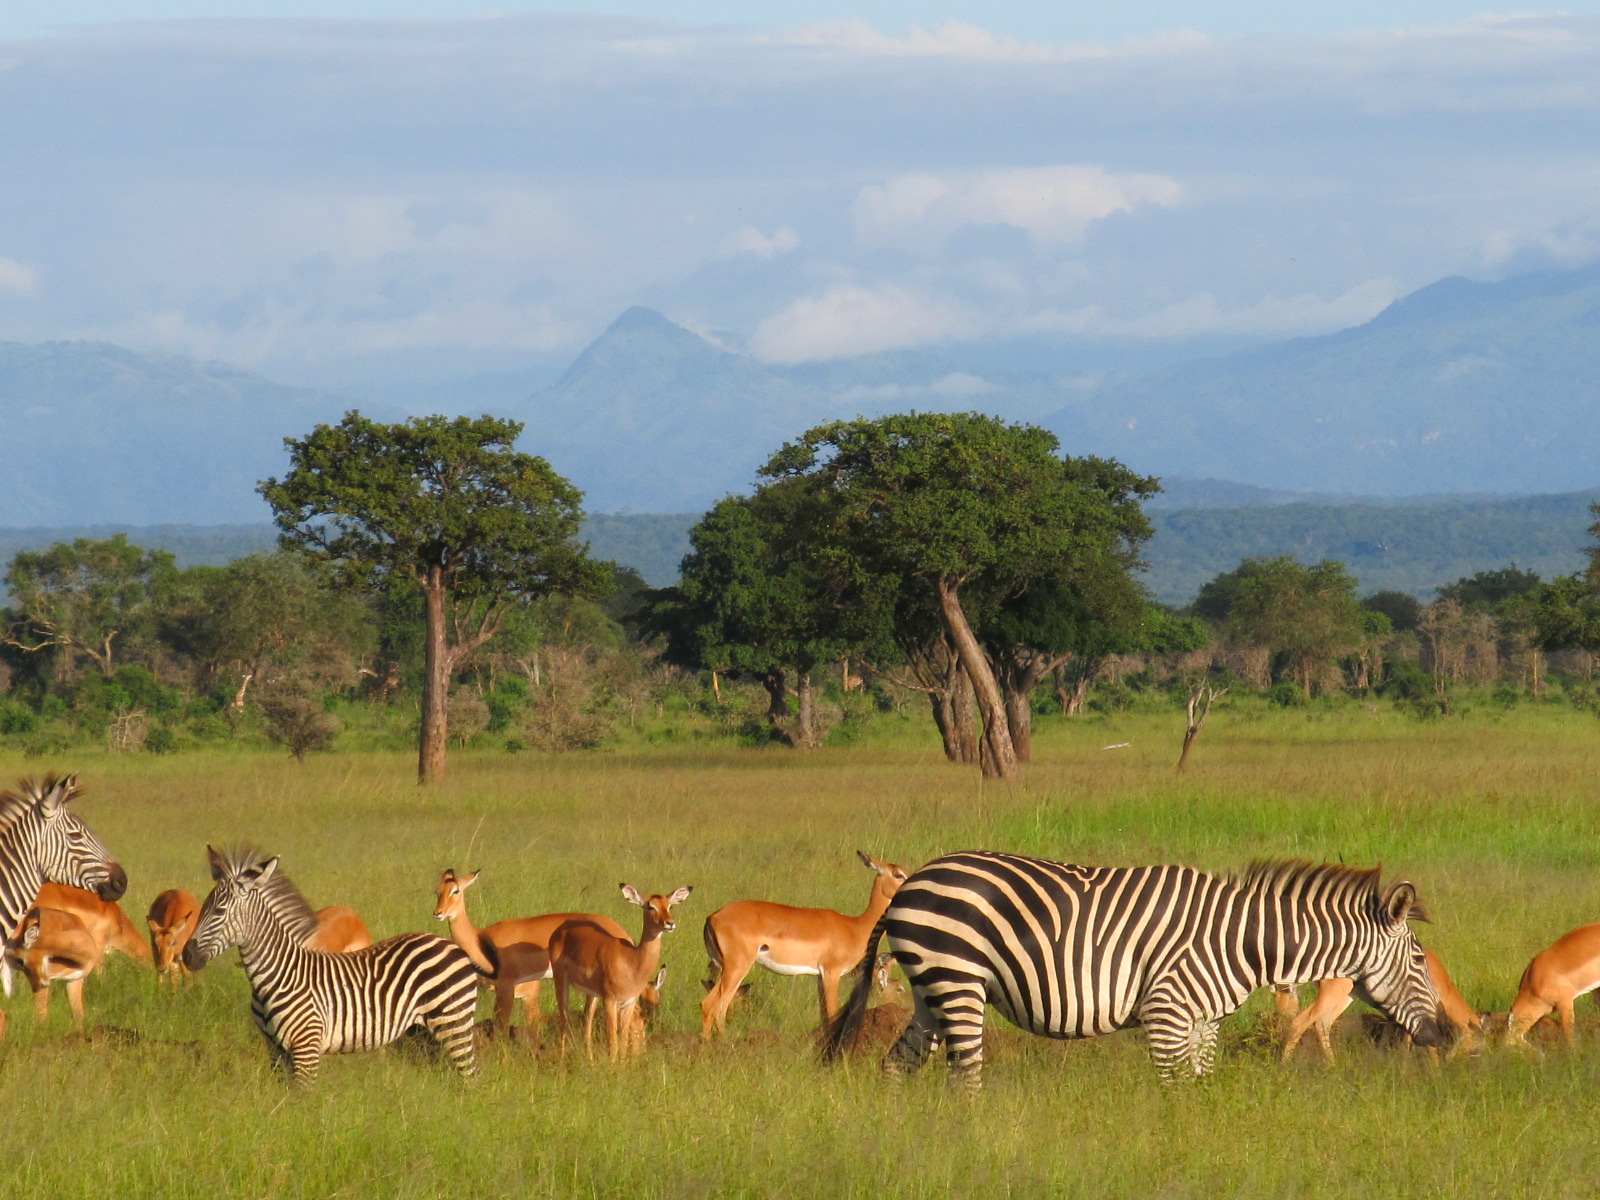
x,y
1062,951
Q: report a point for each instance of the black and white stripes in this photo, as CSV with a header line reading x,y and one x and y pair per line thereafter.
x,y
1072,951
308,1003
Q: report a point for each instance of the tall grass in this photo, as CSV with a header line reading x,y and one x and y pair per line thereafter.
x,y
1494,817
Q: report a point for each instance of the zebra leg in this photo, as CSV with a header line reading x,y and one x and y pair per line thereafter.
x,y
454,1031
1182,1045
911,1050
960,1012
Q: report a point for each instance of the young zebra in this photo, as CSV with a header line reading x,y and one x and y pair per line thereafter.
x,y
1072,952
41,841
308,1003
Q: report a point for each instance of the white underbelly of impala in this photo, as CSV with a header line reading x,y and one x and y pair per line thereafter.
x,y
764,957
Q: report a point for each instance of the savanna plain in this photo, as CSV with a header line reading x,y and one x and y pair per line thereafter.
x,y
1493,815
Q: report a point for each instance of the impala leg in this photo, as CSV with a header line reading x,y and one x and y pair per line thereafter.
x,y
714,1008
561,1012
613,1021
1568,1020
827,994
41,1002
532,1014
75,1000
1527,1012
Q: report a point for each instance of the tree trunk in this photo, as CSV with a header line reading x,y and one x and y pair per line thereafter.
x,y
1189,736
777,699
435,684
1058,680
1001,760
944,716
716,687
964,713
808,711
1019,716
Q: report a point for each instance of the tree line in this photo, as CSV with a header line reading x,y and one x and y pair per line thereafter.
x,y
429,569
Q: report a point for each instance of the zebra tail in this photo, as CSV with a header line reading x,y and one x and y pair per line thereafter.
x,y
846,1024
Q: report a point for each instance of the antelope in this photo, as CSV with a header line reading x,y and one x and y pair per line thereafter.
x,y
1556,977
172,918
339,931
54,946
104,919
790,941
639,1017
613,970
1334,996
488,945
885,1021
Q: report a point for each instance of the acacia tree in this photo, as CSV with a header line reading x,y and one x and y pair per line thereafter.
x,y
948,502
1309,614
84,598
449,506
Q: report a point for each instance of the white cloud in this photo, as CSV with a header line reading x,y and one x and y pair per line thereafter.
x,y
750,241
1276,316
1053,205
17,278
849,320
972,43
1571,244
957,385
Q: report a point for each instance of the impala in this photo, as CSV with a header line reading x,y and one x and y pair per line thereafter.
x,y
611,969
104,919
172,918
1555,978
1334,996
790,941
489,945
54,946
339,931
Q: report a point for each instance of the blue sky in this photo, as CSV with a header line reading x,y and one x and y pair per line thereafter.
x,y
306,196
1050,19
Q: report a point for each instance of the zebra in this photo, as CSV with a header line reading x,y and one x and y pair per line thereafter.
x,y
1074,951
308,1003
40,841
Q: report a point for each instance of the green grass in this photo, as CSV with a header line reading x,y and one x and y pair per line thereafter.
x,y
1493,816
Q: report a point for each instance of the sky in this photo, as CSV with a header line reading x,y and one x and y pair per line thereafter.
x,y
355,184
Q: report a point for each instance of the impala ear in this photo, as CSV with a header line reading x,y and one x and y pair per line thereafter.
x,y
631,895
466,881
218,866
679,896
866,861
661,978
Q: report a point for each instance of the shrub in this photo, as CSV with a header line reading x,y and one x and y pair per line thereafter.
x,y
296,719
16,718
161,740
1286,695
1407,681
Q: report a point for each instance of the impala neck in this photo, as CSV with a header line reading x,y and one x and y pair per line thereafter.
x,y
465,934
877,905
646,957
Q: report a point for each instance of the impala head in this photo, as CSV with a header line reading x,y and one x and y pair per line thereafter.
x,y
882,977
657,909
451,902
650,998
64,848
890,876
246,883
171,919
1395,976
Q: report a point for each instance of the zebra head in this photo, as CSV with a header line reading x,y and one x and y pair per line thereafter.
x,y
1395,977
65,850
227,916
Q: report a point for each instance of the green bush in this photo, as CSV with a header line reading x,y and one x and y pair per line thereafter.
x,y
161,740
1407,681
1286,695
16,718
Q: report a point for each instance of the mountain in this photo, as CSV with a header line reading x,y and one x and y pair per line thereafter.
x,y
1461,386
96,433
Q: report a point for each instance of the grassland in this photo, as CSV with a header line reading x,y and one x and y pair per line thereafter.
x,y
1494,816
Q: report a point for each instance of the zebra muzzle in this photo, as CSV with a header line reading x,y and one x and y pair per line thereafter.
x,y
116,883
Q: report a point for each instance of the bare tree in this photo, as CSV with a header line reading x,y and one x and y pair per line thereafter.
x,y
1201,697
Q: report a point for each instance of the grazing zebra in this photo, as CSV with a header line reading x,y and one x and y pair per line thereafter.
x,y
1073,952
41,841
308,1003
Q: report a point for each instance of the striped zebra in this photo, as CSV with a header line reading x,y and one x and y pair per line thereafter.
x,y
308,1003
1074,952
40,841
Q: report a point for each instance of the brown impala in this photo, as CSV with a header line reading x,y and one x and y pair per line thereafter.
x,y
1554,979
790,941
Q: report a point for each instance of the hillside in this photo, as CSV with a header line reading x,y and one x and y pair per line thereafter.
x,y
1462,386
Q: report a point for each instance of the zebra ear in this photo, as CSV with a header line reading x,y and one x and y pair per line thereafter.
x,y
258,874
218,866
1400,903
54,800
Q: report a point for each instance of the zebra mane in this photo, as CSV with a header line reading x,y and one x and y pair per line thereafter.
x,y
15,804
1275,874
283,899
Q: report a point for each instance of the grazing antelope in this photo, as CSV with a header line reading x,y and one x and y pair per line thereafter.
x,y
339,931
308,1003
790,941
611,969
54,946
172,918
488,945
40,840
104,919
1556,977
639,1017
1334,996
